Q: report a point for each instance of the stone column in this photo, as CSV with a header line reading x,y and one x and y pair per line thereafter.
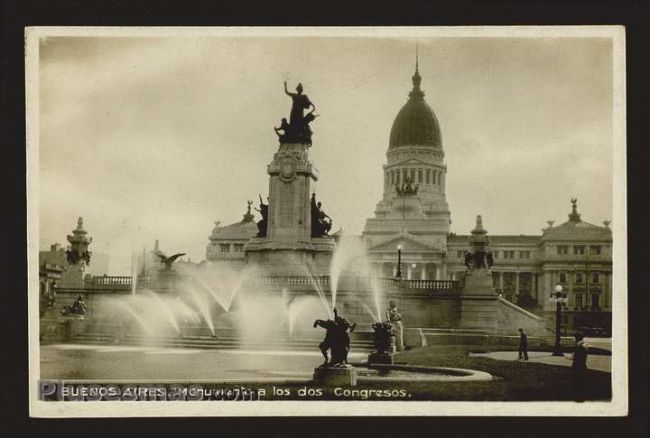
x,y
517,283
423,273
409,271
501,282
605,286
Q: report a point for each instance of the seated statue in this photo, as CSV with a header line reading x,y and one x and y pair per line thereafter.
x,y
284,127
321,223
78,308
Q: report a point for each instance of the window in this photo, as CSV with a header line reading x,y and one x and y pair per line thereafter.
x,y
434,173
439,173
524,254
595,302
578,277
595,278
419,175
412,175
428,176
459,254
405,174
578,302
562,277
238,247
495,254
594,250
562,250
224,247
508,254
397,177
578,250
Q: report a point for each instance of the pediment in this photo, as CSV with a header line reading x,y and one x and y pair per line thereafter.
x,y
408,242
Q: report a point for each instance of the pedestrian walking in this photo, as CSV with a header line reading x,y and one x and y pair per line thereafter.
x,y
523,345
579,366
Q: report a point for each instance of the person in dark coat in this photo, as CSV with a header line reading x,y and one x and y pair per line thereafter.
x,y
523,345
579,366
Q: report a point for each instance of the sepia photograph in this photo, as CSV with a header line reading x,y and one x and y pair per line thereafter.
x,y
327,221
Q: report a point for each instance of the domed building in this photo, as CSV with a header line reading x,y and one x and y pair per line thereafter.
x,y
413,212
413,216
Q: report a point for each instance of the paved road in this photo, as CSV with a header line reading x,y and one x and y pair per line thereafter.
x,y
600,363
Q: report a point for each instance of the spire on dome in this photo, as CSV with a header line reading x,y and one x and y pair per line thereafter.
x,y
416,93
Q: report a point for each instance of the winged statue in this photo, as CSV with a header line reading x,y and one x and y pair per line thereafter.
x,y
168,261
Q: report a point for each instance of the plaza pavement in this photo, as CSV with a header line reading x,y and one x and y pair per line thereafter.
x,y
594,362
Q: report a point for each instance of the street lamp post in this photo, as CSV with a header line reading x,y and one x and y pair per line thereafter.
x,y
558,297
398,274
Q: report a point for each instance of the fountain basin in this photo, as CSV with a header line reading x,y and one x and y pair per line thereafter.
x,y
368,373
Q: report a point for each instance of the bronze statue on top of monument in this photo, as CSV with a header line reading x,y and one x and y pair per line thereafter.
x,y
297,130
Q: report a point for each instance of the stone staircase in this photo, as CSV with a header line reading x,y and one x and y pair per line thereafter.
x,y
209,342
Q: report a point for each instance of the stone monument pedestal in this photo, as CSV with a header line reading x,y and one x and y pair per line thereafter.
x,y
335,376
380,358
478,305
289,246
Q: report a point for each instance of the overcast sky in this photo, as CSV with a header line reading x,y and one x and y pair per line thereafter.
x,y
158,137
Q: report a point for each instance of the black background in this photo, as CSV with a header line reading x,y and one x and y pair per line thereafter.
x,y
14,416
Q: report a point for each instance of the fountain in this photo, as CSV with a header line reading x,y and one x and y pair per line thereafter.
x,y
272,300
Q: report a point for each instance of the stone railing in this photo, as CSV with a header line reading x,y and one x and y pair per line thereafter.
x,y
119,282
361,283
345,283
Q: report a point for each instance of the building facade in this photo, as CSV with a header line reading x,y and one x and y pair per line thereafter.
x,y
527,268
413,219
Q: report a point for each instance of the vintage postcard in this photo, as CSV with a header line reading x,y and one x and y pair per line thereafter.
x,y
327,221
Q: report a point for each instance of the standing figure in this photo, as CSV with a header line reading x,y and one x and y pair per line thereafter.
x,y
300,103
579,366
395,318
264,212
341,346
523,345
328,342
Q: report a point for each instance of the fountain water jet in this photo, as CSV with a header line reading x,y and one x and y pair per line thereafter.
x,y
135,316
165,308
319,290
203,308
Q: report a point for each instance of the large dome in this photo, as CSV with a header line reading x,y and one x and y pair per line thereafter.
x,y
416,123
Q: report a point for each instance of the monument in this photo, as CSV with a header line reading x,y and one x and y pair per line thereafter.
x,y
478,297
293,231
